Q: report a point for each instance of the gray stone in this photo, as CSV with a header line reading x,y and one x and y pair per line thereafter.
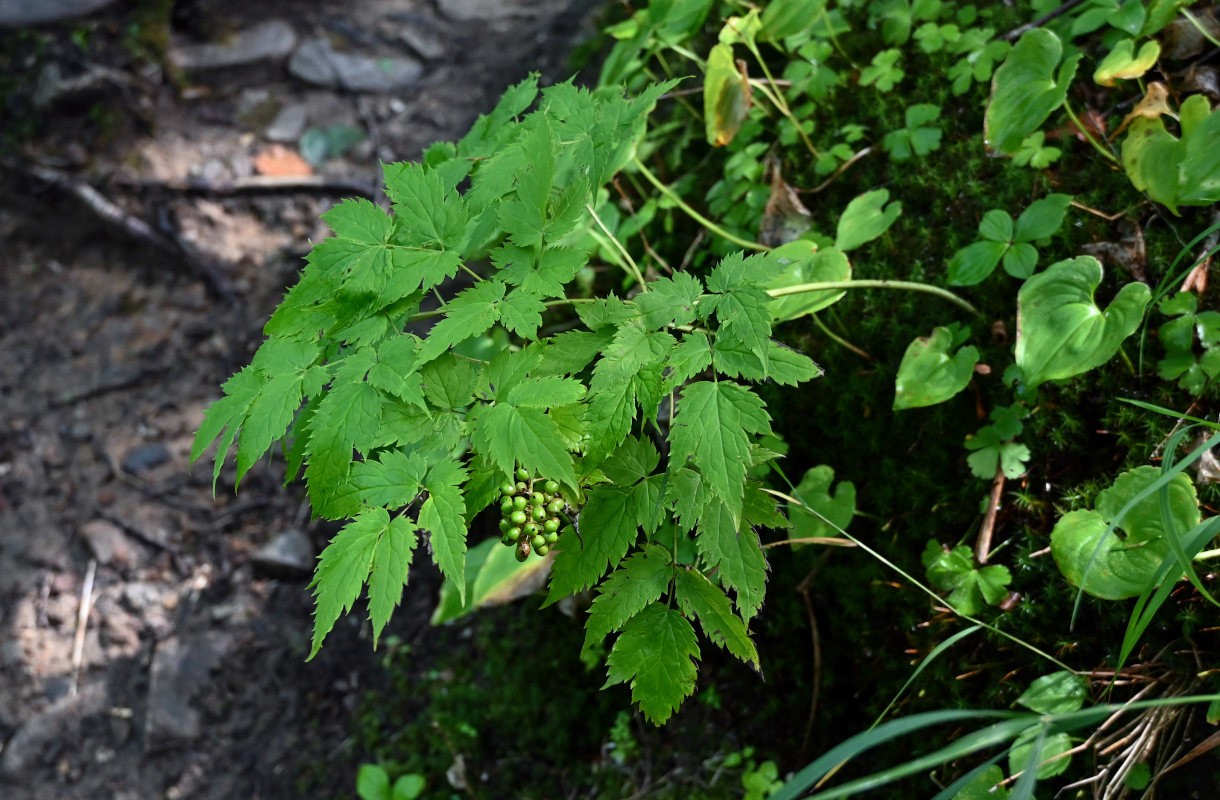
x,y
16,13
108,543
145,457
483,10
317,62
180,667
426,43
288,124
290,554
59,724
267,41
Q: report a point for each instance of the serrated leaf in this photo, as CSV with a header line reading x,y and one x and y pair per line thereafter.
x,y
444,515
698,597
471,313
970,587
521,313
737,554
360,221
494,577
545,392
343,568
688,359
633,460
655,654
388,577
449,382
570,352
392,480
641,580
395,371
545,278
865,218
347,418
712,427
415,269
607,528
1061,331
929,375
669,301
509,436
429,215
227,412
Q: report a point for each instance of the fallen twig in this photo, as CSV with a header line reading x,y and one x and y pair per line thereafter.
x,y
982,547
82,623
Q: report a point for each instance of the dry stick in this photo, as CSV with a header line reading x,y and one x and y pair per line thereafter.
x,y
130,226
816,691
1042,20
82,622
982,547
254,184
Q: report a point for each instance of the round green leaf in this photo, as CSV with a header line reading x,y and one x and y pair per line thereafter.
x,y
1056,744
974,262
1026,89
806,265
1115,573
1042,218
1021,260
408,787
1061,331
929,375
1057,693
996,225
1143,523
372,783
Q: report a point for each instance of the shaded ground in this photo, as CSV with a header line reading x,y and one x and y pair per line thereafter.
x,y
189,679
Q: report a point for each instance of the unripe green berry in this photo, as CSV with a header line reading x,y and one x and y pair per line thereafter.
x,y
504,525
522,474
543,550
537,499
551,525
531,529
521,487
508,489
538,513
519,517
551,537
555,506
538,541
519,502
551,487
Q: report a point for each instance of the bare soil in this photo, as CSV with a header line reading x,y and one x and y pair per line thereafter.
x,y
146,648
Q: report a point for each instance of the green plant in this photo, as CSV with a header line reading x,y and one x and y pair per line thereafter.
x,y
373,783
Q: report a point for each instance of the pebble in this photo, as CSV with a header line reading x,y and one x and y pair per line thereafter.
x,y
267,41
180,667
288,125
317,62
18,13
425,43
145,457
481,10
108,543
290,554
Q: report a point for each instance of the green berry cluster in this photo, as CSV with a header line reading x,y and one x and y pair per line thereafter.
x,y
529,514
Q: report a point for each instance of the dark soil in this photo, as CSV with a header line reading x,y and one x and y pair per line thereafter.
x,y
190,678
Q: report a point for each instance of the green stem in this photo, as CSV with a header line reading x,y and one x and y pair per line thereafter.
x,y
834,337
692,213
777,99
1199,27
1088,136
909,286
631,266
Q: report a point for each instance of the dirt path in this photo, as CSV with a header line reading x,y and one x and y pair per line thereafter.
x,y
187,679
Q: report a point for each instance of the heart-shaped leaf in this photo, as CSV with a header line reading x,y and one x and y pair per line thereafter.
x,y
726,96
1113,568
865,218
1123,63
1061,331
1026,89
807,265
929,375
837,509
1057,693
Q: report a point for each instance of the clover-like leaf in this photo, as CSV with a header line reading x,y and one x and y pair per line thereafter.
x,y
953,571
1061,331
807,265
928,374
1026,89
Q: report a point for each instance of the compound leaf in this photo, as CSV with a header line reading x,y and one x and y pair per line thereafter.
x,y
443,514
698,597
641,580
655,654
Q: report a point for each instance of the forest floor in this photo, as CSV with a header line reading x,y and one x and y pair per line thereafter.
x,y
152,636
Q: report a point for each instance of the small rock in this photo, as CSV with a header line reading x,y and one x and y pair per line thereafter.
x,y
317,62
145,457
58,725
180,666
108,543
266,41
290,554
481,10
18,13
425,43
288,124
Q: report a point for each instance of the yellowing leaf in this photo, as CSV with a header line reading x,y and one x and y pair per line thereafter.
x,y
726,95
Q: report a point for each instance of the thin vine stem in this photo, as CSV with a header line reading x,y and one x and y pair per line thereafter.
x,y
632,267
673,197
1088,136
909,286
917,584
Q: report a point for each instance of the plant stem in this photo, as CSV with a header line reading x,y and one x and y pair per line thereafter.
x,y
692,213
909,286
630,262
839,340
1088,136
